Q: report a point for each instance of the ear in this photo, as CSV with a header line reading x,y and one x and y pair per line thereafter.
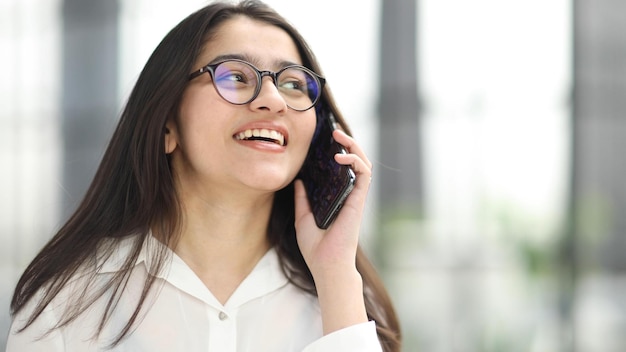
x,y
171,136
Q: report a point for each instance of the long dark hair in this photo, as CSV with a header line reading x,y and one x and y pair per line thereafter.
x,y
133,191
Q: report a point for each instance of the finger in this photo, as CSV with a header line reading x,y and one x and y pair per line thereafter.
x,y
360,168
351,146
357,164
356,158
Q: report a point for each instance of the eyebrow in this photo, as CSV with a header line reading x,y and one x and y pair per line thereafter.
x,y
251,59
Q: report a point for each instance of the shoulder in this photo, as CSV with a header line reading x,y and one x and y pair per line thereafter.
x,y
113,254
40,334
82,297
110,256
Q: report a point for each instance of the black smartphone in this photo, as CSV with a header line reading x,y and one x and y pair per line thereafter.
x,y
327,182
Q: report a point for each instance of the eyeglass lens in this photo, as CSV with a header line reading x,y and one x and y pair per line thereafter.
x,y
239,83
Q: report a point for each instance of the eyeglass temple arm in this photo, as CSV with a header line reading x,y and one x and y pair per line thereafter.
x,y
198,73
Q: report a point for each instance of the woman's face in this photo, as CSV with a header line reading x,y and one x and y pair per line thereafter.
x,y
205,142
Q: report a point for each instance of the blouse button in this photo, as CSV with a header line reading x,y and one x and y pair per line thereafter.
x,y
223,316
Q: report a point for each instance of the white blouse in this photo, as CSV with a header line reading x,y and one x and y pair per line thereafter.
x,y
265,313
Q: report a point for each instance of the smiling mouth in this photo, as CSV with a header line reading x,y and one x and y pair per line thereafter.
x,y
263,134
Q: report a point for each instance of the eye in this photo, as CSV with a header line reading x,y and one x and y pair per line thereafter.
x,y
235,75
295,80
293,84
231,77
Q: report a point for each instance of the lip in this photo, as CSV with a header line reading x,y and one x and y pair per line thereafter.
x,y
262,125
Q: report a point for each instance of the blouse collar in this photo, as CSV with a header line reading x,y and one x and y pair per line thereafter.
x,y
267,275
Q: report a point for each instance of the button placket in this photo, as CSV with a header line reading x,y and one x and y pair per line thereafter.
x,y
222,316
223,331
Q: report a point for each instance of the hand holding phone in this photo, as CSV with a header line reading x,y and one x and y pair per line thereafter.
x,y
327,182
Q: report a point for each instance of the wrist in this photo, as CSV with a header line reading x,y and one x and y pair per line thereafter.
x,y
340,294
339,276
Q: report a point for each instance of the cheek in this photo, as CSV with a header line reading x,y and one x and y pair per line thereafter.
x,y
307,126
200,104
310,122
198,120
310,131
307,132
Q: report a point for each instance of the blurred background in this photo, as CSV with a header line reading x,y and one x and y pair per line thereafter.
x,y
496,128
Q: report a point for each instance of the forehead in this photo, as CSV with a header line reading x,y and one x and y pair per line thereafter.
x,y
264,45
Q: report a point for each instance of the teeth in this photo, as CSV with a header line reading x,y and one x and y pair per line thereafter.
x,y
262,133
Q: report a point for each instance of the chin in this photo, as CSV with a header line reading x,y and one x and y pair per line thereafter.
x,y
271,183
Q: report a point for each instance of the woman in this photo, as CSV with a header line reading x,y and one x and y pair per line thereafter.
x,y
195,235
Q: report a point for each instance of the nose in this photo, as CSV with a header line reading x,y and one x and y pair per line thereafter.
x,y
269,98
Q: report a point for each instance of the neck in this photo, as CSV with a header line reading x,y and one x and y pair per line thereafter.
x,y
222,240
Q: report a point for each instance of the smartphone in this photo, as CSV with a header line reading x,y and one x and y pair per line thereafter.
x,y
327,182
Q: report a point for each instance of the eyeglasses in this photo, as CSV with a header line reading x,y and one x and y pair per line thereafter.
x,y
238,82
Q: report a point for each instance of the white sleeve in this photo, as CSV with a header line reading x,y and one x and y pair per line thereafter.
x,y
37,336
356,338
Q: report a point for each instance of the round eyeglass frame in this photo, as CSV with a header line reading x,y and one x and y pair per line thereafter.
x,y
210,69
